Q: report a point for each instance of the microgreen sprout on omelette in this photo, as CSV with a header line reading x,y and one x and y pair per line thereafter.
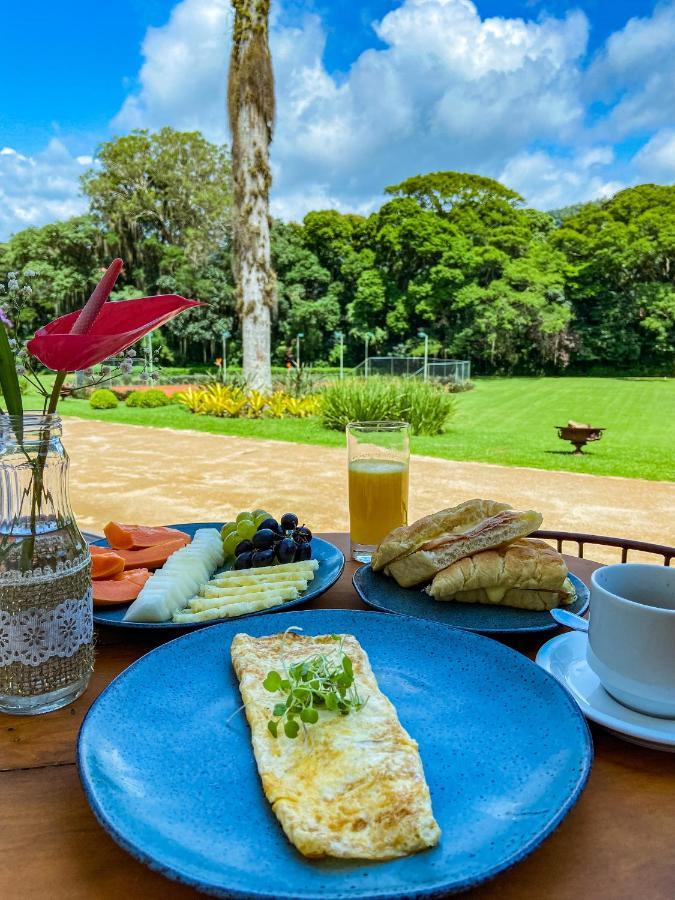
x,y
323,681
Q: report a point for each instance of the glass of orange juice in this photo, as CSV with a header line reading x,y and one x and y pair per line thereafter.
x,y
378,460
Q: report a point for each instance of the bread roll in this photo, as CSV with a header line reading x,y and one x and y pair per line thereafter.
x,y
528,563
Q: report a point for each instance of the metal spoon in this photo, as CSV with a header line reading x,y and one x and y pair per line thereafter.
x,y
564,617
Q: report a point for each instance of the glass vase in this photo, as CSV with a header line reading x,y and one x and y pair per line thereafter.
x,y
46,614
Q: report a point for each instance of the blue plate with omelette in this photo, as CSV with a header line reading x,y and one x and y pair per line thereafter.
x,y
166,761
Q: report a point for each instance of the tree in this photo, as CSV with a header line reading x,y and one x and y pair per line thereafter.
x,y
621,277
67,259
156,189
251,114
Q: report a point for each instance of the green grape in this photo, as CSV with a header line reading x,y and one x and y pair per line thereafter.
x,y
230,543
244,515
246,529
260,516
228,528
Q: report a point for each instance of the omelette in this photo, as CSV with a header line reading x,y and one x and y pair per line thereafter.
x,y
353,785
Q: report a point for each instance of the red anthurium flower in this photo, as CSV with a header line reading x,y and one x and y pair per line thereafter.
x,y
118,325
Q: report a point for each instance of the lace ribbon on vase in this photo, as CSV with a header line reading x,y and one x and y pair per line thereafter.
x,y
33,636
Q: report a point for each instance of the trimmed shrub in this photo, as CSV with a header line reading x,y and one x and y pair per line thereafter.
x,y
103,399
149,399
427,407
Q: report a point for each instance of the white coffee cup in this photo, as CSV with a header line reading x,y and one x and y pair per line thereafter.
x,y
631,635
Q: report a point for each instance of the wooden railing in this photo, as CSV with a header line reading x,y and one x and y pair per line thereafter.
x,y
624,544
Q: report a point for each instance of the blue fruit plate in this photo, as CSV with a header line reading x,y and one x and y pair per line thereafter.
x,y
331,563
166,762
382,593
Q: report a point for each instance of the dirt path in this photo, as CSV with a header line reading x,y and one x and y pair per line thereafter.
x,y
154,476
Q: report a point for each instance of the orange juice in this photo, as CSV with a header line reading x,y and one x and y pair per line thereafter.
x,y
378,498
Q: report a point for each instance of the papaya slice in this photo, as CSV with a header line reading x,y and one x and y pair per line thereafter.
x,y
138,537
106,565
137,576
95,550
150,557
113,591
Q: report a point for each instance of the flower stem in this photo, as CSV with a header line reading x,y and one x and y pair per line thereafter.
x,y
56,392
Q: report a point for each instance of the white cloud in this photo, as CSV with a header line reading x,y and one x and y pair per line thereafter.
x,y
635,73
449,90
38,189
183,78
656,160
551,182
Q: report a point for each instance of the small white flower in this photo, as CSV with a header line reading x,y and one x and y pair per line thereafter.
x,y
20,370
12,344
89,372
27,290
144,376
29,273
131,353
105,370
126,366
11,276
13,284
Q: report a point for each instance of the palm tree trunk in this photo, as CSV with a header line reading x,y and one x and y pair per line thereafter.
x,y
251,112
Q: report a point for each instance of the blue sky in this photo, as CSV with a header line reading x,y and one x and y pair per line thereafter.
x,y
564,101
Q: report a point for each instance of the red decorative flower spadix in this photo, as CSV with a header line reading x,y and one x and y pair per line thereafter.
x,y
100,330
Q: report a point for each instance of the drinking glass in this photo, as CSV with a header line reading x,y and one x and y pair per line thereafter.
x,y
378,461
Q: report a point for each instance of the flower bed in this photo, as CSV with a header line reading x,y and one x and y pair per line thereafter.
x,y
226,401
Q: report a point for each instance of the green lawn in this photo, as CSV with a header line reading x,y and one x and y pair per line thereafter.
x,y
507,421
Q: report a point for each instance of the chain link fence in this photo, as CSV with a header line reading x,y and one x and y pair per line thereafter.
x,y
456,370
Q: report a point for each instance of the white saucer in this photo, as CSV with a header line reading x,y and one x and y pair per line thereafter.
x,y
564,657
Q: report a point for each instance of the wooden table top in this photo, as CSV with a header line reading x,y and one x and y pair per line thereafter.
x,y
616,843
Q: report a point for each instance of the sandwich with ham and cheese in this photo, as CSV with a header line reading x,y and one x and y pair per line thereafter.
x,y
413,554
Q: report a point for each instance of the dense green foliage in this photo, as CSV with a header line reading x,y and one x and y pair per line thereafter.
x,y
149,399
590,289
103,398
427,407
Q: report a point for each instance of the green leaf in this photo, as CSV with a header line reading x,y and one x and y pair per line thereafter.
x,y
273,682
301,694
279,709
9,380
347,665
272,726
331,702
309,715
291,728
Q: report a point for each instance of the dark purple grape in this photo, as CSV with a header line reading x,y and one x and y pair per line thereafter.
x,y
243,547
244,561
263,558
302,535
272,524
304,552
289,521
263,539
286,550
